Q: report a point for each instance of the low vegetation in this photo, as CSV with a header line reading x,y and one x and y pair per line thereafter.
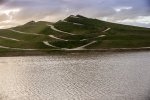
x,y
73,32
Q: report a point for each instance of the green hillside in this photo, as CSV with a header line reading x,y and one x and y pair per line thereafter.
x,y
73,33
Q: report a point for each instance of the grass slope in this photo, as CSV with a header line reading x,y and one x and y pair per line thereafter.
x,y
85,30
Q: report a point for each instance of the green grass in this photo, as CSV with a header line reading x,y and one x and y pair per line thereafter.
x,y
48,31
32,27
88,25
24,37
107,44
119,36
23,44
124,43
82,36
69,27
69,44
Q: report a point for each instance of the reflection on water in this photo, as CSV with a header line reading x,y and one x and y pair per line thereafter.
x,y
107,76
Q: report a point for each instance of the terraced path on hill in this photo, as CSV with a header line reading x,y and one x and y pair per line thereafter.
x,y
76,48
53,28
73,33
50,43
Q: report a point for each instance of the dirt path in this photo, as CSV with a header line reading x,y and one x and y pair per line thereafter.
x,y
24,32
50,45
83,47
53,28
107,30
52,36
72,23
4,47
9,38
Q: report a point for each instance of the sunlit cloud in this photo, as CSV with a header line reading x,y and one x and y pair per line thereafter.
x,y
119,9
9,11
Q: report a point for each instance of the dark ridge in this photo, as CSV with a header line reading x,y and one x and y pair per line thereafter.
x,y
80,16
30,23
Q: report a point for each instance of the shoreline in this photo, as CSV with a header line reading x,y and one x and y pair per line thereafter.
x,y
64,52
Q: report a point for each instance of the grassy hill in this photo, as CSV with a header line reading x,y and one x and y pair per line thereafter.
x,y
73,33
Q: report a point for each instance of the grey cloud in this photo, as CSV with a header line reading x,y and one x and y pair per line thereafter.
x,y
39,9
3,1
3,17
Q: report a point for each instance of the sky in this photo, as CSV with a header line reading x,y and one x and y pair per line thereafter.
x,y
17,12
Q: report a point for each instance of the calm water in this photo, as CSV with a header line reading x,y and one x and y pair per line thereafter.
x,y
103,76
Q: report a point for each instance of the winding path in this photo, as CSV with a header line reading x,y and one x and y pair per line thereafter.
x,y
84,40
4,47
107,30
83,47
24,32
52,36
50,45
53,28
72,23
101,36
9,38
77,48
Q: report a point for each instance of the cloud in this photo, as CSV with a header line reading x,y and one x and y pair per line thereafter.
x,y
143,21
119,9
2,1
53,10
139,19
8,14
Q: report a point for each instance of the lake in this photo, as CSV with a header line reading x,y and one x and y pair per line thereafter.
x,y
76,76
